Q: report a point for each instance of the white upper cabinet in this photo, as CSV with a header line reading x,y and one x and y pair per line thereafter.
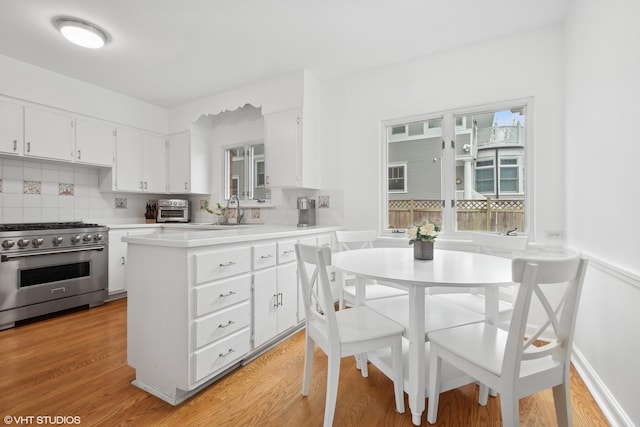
x,y
188,160
48,134
140,163
95,143
291,152
154,163
11,141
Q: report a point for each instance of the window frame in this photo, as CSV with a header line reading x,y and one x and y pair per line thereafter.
x,y
448,189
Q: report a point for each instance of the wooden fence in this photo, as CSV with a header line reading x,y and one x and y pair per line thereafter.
x,y
472,215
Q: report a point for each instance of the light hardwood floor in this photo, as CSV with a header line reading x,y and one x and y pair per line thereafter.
x,y
76,365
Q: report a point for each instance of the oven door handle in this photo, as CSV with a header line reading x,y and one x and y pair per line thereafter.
x,y
9,257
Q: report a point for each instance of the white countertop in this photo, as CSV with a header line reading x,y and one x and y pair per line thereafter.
x,y
178,237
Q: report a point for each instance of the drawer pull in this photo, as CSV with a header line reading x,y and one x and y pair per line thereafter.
x,y
266,256
228,294
227,353
229,323
288,252
230,263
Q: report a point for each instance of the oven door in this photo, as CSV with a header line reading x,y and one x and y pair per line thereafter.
x,y
32,277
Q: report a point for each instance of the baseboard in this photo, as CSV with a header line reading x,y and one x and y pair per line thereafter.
x,y
605,400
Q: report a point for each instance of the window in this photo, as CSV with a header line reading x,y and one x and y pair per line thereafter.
x,y
463,170
245,172
397,178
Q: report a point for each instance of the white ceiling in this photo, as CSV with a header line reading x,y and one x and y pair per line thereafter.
x,y
167,52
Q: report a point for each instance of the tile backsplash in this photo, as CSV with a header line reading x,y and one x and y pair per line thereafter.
x,y
32,190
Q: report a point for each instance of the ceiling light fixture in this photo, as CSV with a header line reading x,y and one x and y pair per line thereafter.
x,y
82,33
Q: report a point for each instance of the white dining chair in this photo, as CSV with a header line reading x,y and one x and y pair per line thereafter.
x,y
342,333
474,298
360,239
508,361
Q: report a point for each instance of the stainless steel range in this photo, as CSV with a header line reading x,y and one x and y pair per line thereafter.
x,y
51,266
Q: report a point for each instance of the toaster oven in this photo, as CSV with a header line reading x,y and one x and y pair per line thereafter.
x,y
173,210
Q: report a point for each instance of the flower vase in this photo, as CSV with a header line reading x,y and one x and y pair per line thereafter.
x,y
422,250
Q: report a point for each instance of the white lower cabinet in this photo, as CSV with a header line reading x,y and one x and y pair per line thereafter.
x,y
118,258
275,296
193,313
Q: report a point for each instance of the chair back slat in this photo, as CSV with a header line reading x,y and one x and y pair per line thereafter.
x,y
316,289
500,244
539,278
358,239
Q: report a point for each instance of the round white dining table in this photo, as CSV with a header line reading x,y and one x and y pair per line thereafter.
x,y
397,267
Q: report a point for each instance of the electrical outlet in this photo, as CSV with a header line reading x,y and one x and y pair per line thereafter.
x,y
555,234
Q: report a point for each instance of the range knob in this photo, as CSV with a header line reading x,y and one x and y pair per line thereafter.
x,y
57,240
76,238
8,244
37,241
87,237
97,237
23,243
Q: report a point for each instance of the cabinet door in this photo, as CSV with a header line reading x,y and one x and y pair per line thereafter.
x,y
288,291
10,128
95,143
200,162
128,160
48,134
117,261
154,164
265,306
178,174
282,148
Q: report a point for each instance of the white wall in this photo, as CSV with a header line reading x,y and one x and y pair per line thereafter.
x,y
602,95
529,65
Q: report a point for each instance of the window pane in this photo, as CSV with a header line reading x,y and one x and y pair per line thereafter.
x,y
484,201
414,178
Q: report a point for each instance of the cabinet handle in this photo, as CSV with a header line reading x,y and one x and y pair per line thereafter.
x,y
288,252
145,185
276,303
267,180
79,155
28,147
230,263
15,145
186,185
266,256
226,325
122,260
227,353
141,185
280,303
228,294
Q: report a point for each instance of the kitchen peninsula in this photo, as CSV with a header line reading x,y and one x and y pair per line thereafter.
x,y
201,303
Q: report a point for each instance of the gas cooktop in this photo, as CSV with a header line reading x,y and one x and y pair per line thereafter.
x,y
27,226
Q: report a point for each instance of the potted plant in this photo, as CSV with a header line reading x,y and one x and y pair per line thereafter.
x,y
422,237
220,211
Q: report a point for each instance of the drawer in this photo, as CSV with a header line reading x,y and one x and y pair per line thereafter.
x,y
217,265
221,324
286,251
264,256
217,295
220,354
311,241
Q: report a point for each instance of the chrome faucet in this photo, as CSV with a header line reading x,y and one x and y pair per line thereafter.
x,y
238,214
